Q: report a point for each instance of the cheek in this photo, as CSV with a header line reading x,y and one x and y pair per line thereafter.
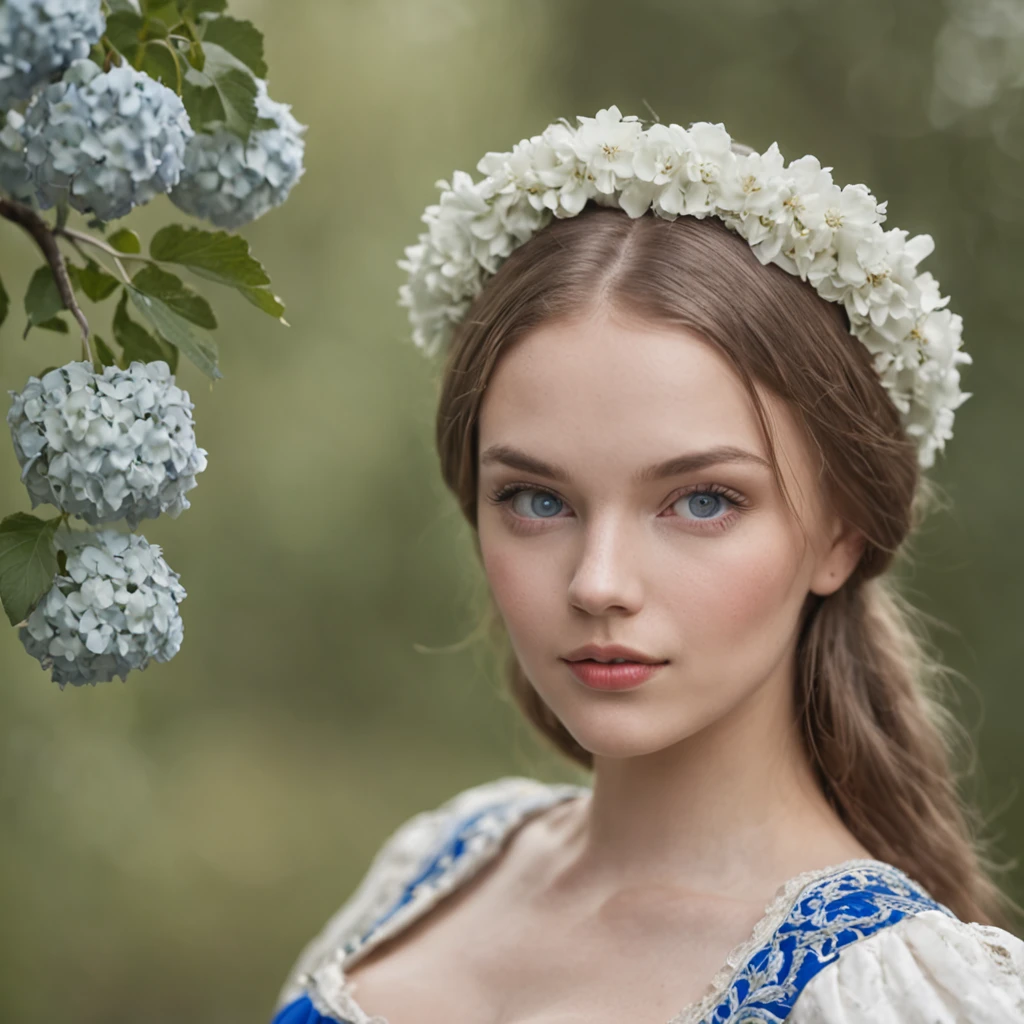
x,y
519,578
745,584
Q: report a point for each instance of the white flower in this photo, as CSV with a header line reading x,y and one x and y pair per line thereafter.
x,y
230,182
105,141
114,609
105,446
749,199
605,144
706,162
662,171
41,37
567,180
794,216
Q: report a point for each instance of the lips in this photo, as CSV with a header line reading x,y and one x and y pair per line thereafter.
x,y
598,676
610,652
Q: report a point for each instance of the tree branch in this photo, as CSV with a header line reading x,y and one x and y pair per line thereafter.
x,y
40,231
80,236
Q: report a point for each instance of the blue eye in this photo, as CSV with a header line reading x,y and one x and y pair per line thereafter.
x,y
709,504
543,503
703,504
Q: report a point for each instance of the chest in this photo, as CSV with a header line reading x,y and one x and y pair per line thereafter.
x,y
643,957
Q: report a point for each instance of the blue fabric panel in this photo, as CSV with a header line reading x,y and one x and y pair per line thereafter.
x,y
827,916
450,851
302,1011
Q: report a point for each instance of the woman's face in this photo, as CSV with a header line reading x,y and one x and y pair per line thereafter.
x,y
704,568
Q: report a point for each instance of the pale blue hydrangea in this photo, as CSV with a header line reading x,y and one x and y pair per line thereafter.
x,y
14,176
114,608
106,446
229,182
41,37
108,140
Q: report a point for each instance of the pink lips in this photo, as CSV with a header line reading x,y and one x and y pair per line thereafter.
x,y
600,676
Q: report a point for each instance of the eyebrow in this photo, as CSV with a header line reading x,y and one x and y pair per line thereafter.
x,y
689,462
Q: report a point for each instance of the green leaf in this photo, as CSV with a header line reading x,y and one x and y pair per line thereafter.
x,y
215,255
201,101
265,299
198,7
122,5
125,240
193,341
104,354
242,39
5,303
124,29
160,62
173,292
28,562
136,342
95,282
193,52
42,300
160,14
55,323
236,90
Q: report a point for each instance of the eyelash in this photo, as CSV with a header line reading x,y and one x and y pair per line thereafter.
x,y
503,496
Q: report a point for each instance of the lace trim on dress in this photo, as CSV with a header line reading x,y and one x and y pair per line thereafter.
x,y
805,925
475,840
811,918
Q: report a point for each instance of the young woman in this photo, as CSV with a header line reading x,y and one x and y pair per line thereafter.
x,y
687,399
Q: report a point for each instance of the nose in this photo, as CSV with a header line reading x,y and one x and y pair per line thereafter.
x,y
608,572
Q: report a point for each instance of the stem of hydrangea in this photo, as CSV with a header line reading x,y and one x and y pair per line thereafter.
x,y
94,259
41,234
75,237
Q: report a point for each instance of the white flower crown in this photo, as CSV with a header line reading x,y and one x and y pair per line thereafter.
x,y
794,216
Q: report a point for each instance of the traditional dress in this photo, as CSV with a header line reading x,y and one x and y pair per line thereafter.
x,y
857,943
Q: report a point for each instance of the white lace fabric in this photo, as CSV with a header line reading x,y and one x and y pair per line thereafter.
x,y
928,968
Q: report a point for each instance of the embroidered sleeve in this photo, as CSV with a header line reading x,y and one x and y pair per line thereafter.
x,y
926,969
395,861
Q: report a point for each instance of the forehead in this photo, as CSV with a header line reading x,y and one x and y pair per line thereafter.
x,y
605,385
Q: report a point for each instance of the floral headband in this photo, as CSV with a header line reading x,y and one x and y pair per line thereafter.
x,y
793,216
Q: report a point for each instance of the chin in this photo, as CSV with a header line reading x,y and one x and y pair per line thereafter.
x,y
616,725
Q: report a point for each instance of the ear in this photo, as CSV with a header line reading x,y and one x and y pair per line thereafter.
x,y
838,562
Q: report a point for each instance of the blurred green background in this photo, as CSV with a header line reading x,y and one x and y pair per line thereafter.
x,y
167,844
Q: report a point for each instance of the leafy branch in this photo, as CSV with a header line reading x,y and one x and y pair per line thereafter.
x,y
178,316
43,236
183,81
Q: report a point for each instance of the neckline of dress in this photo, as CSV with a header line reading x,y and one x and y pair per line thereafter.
x,y
332,977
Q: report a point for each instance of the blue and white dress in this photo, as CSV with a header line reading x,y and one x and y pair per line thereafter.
x,y
858,943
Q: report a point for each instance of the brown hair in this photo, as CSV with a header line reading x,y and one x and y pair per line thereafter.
x,y
880,741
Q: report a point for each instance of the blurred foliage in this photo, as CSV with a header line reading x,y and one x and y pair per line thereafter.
x,y
169,843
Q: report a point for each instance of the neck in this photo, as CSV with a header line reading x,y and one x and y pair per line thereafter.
x,y
735,808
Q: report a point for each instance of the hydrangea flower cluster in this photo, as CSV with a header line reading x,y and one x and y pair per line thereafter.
x,y
14,176
40,37
230,182
104,446
792,215
108,140
114,609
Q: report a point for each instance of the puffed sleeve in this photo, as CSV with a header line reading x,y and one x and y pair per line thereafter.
x,y
395,861
928,968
